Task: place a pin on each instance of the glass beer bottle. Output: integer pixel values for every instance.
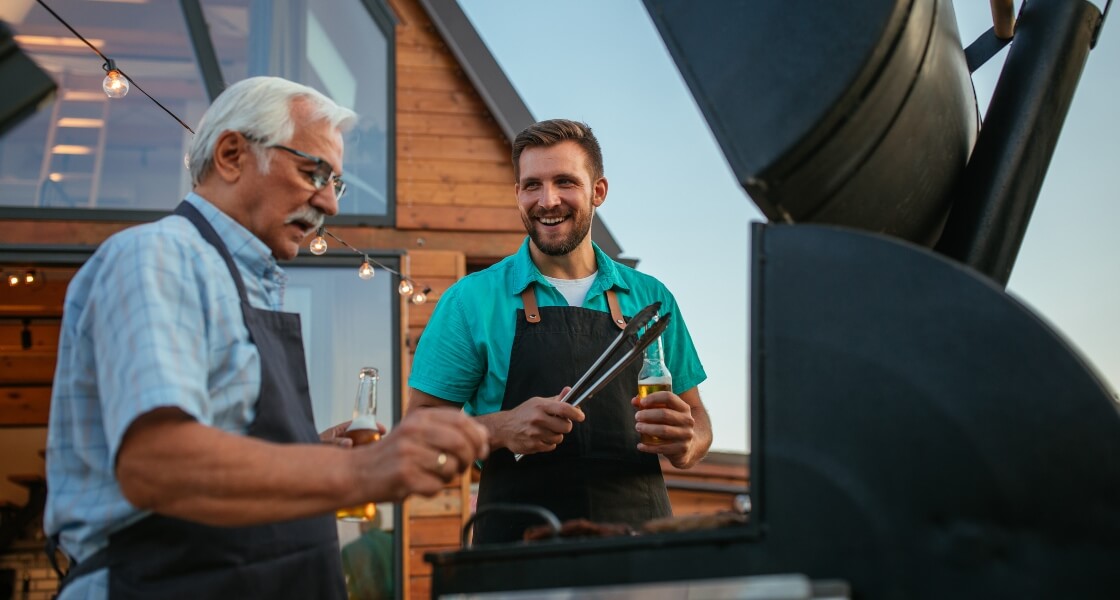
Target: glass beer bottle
(654, 377)
(363, 430)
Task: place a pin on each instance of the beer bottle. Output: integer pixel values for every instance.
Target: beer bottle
(363, 430)
(654, 377)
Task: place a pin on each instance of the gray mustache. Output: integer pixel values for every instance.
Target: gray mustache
(307, 214)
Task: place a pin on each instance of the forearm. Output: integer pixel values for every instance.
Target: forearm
(495, 424)
(173, 465)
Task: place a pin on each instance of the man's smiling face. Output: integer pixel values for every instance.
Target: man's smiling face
(556, 196)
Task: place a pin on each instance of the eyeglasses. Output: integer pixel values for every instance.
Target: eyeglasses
(322, 174)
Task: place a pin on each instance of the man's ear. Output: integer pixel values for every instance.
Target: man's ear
(230, 153)
(599, 192)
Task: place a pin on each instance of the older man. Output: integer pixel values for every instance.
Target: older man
(182, 461)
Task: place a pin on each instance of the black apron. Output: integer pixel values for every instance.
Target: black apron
(168, 558)
(597, 472)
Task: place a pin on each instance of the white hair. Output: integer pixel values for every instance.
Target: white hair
(260, 108)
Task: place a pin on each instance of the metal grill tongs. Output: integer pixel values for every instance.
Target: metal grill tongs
(602, 371)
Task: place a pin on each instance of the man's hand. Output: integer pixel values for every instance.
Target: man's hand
(680, 421)
(536, 425)
(333, 436)
(422, 453)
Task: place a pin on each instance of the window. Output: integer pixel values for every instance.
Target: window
(333, 46)
(347, 323)
(86, 156)
(85, 151)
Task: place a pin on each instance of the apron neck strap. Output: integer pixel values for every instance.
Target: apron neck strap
(616, 311)
(533, 314)
(529, 299)
(186, 209)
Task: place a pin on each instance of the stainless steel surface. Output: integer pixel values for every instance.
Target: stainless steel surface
(765, 587)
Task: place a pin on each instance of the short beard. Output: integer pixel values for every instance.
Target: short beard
(564, 246)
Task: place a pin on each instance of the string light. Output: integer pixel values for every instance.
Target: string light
(318, 245)
(28, 277)
(407, 286)
(365, 271)
(421, 296)
(115, 84)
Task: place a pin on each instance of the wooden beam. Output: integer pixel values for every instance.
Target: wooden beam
(44, 335)
(462, 124)
(445, 147)
(440, 101)
(498, 170)
(460, 218)
(26, 232)
(458, 194)
(432, 78)
(435, 531)
(437, 263)
(444, 503)
(27, 366)
(24, 405)
(41, 299)
(416, 55)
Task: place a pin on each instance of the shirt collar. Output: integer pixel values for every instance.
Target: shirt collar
(247, 250)
(525, 271)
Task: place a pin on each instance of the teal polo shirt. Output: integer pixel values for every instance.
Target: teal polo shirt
(463, 354)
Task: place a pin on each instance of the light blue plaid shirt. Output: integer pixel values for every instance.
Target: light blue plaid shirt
(153, 319)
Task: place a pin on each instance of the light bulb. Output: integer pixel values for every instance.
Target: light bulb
(405, 288)
(419, 298)
(318, 245)
(13, 280)
(365, 271)
(29, 277)
(115, 84)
